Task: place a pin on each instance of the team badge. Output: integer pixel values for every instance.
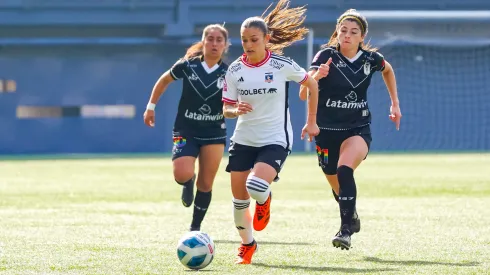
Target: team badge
(221, 82)
(269, 77)
(367, 68)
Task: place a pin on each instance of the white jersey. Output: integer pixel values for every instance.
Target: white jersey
(265, 87)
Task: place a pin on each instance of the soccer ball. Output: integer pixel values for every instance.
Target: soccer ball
(195, 250)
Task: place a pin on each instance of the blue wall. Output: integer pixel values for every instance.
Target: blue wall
(444, 99)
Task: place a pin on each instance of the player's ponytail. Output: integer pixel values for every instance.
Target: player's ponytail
(283, 23)
(197, 48)
(354, 16)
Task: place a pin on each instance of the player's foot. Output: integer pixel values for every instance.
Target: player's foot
(188, 192)
(262, 214)
(342, 238)
(355, 225)
(245, 253)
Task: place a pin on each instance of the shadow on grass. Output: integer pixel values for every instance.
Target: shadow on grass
(326, 268)
(263, 242)
(415, 262)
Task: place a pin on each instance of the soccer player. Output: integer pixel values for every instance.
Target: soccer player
(344, 68)
(199, 128)
(256, 91)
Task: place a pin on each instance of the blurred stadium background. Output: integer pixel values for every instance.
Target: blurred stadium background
(76, 74)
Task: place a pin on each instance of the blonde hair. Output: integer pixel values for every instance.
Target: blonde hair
(354, 16)
(283, 23)
(197, 48)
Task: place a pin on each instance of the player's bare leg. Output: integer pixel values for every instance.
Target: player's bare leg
(184, 175)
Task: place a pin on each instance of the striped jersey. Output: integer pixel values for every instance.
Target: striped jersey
(265, 87)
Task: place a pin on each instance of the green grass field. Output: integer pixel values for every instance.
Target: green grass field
(421, 214)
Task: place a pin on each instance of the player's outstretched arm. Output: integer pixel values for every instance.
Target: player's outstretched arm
(158, 89)
(390, 81)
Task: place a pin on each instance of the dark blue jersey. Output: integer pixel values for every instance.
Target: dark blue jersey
(200, 111)
(343, 100)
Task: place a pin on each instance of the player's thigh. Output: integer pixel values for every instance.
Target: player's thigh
(270, 161)
(353, 151)
(210, 157)
(184, 153)
(328, 150)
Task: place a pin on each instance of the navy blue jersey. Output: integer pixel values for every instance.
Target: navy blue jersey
(342, 102)
(200, 111)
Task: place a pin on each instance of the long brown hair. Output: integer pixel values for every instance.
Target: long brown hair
(354, 16)
(197, 48)
(283, 23)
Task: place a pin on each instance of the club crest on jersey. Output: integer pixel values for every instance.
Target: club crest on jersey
(220, 82)
(269, 77)
(367, 68)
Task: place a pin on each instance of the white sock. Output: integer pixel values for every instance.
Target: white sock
(258, 189)
(243, 220)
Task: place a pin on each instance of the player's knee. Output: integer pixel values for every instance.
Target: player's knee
(183, 169)
(183, 174)
(257, 187)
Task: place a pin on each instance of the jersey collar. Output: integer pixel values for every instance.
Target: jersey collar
(256, 65)
(201, 57)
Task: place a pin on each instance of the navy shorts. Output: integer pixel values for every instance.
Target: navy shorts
(189, 146)
(328, 144)
(243, 158)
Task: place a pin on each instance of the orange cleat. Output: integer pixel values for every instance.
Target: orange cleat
(245, 253)
(262, 214)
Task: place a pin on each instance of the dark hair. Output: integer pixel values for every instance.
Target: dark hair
(284, 24)
(354, 16)
(197, 48)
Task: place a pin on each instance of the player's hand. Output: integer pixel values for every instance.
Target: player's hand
(149, 118)
(395, 116)
(323, 70)
(311, 129)
(243, 108)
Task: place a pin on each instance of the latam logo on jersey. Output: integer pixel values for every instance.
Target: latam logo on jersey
(350, 103)
(261, 91)
(205, 114)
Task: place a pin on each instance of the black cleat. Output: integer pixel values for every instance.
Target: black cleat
(188, 192)
(355, 225)
(342, 238)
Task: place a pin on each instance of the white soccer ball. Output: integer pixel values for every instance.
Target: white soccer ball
(195, 250)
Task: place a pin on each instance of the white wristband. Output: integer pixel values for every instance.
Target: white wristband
(151, 106)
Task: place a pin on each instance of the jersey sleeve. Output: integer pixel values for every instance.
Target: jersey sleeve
(320, 58)
(295, 73)
(230, 93)
(379, 61)
(177, 70)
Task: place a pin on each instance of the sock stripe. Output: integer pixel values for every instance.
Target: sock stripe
(258, 188)
(258, 184)
(241, 204)
(258, 180)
